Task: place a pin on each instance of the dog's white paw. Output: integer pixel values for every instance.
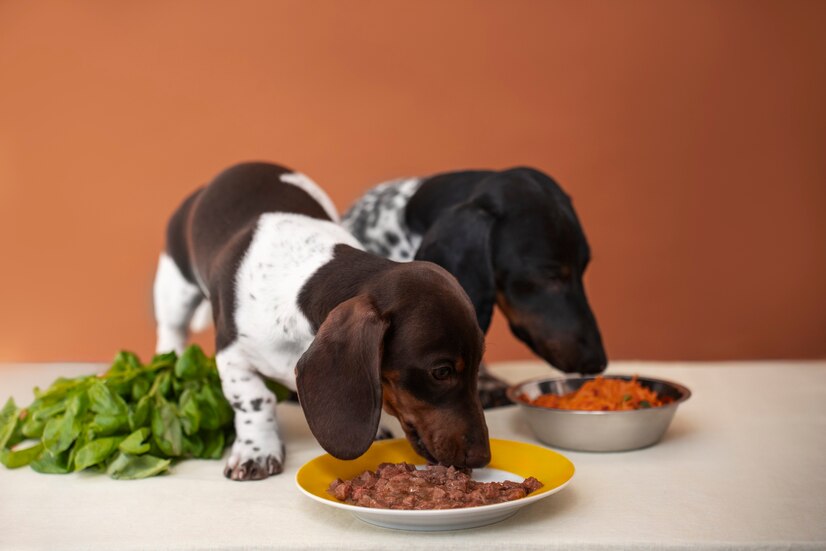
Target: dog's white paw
(252, 460)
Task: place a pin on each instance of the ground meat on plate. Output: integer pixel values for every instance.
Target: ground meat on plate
(402, 486)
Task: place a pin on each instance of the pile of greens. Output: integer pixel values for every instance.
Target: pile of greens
(129, 422)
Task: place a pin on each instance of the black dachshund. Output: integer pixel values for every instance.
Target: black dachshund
(511, 238)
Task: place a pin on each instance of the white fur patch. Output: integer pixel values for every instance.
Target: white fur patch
(304, 182)
(273, 333)
(175, 302)
(286, 250)
(202, 318)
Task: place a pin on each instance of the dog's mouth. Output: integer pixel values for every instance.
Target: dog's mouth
(566, 359)
(418, 445)
(522, 334)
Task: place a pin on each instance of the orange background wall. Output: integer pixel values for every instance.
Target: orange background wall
(692, 136)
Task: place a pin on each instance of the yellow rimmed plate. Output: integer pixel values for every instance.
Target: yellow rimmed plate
(509, 461)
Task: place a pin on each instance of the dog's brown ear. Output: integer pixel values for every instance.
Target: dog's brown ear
(338, 378)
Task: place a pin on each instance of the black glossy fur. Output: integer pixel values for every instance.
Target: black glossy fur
(512, 238)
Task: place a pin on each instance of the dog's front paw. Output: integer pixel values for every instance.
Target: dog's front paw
(250, 462)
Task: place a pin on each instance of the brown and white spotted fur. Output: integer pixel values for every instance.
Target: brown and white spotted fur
(295, 299)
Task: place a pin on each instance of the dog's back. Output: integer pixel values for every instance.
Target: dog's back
(220, 219)
(211, 233)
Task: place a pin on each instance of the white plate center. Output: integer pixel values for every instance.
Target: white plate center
(489, 475)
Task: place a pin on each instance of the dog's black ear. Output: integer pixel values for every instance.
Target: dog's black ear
(459, 241)
(338, 378)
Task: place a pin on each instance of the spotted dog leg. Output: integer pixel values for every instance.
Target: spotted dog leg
(258, 451)
(492, 391)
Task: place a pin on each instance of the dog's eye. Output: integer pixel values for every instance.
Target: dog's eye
(442, 373)
(523, 286)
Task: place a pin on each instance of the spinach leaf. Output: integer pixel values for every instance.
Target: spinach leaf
(96, 451)
(211, 394)
(9, 417)
(281, 392)
(60, 432)
(51, 464)
(133, 444)
(163, 383)
(49, 412)
(105, 425)
(191, 365)
(162, 361)
(140, 416)
(125, 362)
(193, 445)
(33, 428)
(190, 412)
(13, 459)
(210, 417)
(166, 428)
(140, 386)
(213, 444)
(106, 402)
(133, 467)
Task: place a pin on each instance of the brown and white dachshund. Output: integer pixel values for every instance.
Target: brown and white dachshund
(295, 299)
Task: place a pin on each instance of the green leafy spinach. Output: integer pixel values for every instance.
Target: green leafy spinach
(130, 422)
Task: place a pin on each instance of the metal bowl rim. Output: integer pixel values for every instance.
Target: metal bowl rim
(512, 394)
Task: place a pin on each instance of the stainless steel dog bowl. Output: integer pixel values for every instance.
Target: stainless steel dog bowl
(597, 431)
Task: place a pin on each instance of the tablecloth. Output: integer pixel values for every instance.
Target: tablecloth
(741, 467)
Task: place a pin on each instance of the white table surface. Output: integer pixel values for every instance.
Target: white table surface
(743, 465)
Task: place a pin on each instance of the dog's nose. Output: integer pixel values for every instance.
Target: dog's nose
(592, 357)
(476, 444)
(593, 367)
(593, 361)
(478, 456)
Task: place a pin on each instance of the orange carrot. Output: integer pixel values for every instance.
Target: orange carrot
(601, 394)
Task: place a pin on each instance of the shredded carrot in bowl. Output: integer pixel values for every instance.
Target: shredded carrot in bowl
(601, 394)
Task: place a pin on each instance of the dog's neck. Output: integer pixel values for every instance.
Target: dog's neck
(344, 277)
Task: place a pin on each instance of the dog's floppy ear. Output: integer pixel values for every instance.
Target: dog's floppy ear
(338, 378)
(459, 241)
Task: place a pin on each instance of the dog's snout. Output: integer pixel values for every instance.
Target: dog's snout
(477, 445)
(593, 363)
(579, 357)
(477, 456)
(593, 358)
(523, 335)
(572, 351)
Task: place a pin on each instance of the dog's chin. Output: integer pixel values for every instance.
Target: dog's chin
(563, 355)
(573, 367)
(539, 347)
(581, 366)
(548, 354)
(568, 363)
